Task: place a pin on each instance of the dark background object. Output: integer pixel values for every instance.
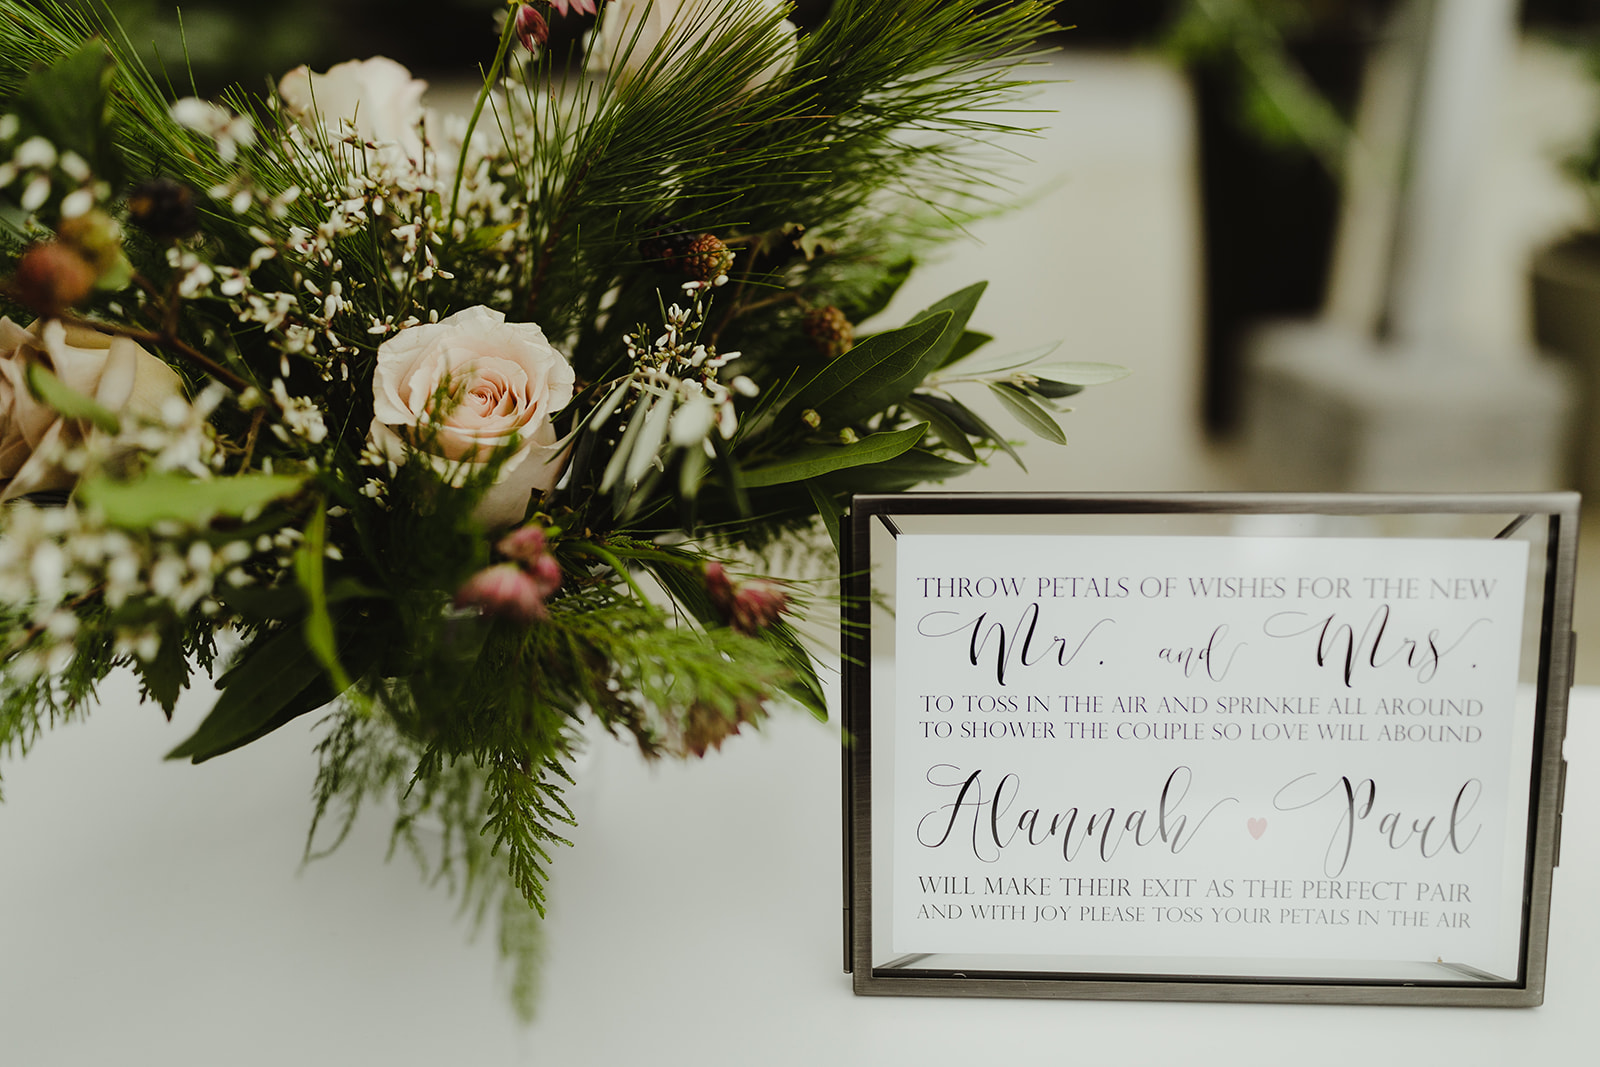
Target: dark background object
(1269, 213)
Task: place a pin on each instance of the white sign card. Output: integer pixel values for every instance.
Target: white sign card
(1300, 758)
(1209, 747)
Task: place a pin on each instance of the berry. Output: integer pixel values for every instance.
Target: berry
(51, 278)
(829, 330)
(164, 209)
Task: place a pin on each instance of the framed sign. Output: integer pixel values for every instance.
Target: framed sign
(1244, 747)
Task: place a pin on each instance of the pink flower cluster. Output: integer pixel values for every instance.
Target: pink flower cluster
(516, 590)
(749, 608)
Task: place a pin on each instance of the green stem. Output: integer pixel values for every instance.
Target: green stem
(611, 560)
(489, 81)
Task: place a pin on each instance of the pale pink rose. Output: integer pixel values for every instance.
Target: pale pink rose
(379, 95)
(500, 383)
(115, 372)
(630, 30)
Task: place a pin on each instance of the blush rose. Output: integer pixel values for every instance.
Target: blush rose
(461, 390)
(119, 375)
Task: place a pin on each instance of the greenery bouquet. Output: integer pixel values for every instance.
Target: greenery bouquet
(454, 429)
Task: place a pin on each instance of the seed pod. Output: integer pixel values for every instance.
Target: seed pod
(52, 278)
(706, 258)
(829, 330)
(164, 209)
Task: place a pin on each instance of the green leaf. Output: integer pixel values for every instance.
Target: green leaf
(263, 603)
(70, 403)
(997, 364)
(630, 436)
(961, 304)
(1028, 412)
(177, 497)
(969, 421)
(308, 571)
(905, 471)
(14, 221)
(876, 374)
(821, 459)
(731, 473)
(828, 511)
(65, 103)
(1050, 390)
(1078, 373)
(691, 472)
(806, 686)
(948, 430)
(166, 674)
(969, 342)
(878, 298)
(274, 680)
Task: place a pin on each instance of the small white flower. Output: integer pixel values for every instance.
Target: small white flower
(74, 166)
(231, 132)
(76, 203)
(59, 658)
(35, 153)
(693, 420)
(37, 192)
(48, 569)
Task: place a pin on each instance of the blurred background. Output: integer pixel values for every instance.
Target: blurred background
(1340, 244)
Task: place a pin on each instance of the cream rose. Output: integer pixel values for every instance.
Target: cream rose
(379, 95)
(630, 30)
(459, 390)
(115, 372)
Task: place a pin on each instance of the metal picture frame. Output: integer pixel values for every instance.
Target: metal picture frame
(874, 533)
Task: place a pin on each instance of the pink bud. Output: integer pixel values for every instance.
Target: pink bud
(750, 608)
(546, 575)
(524, 545)
(567, 7)
(720, 586)
(505, 590)
(532, 30)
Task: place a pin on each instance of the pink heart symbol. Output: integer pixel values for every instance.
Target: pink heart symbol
(1257, 827)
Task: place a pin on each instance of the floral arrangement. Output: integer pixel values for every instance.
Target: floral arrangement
(462, 430)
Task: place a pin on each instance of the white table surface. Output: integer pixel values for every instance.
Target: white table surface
(156, 913)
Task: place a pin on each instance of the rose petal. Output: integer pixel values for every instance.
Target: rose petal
(379, 95)
(116, 372)
(534, 469)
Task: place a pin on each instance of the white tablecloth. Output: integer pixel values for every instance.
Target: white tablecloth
(155, 913)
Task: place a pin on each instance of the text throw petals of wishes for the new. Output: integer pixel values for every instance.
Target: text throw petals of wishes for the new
(1209, 747)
